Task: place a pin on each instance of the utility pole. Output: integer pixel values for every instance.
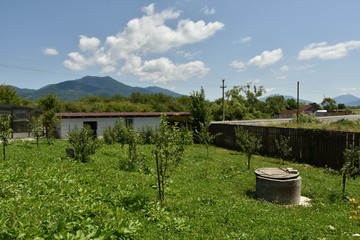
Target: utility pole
(297, 101)
(223, 98)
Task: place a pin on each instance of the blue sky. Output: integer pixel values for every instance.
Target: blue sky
(185, 44)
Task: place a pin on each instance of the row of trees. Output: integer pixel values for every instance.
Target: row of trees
(241, 103)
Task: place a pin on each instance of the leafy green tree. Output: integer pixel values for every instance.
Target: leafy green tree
(8, 95)
(329, 104)
(351, 167)
(50, 105)
(283, 147)
(169, 151)
(37, 128)
(205, 137)
(108, 135)
(200, 110)
(341, 106)
(315, 105)
(5, 132)
(291, 103)
(120, 132)
(276, 104)
(243, 103)
(248, 142)
(83, 142)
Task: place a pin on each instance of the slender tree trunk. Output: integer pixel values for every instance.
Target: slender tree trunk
(343, 185)
(249, 157)
(4, 151)
(159, 178)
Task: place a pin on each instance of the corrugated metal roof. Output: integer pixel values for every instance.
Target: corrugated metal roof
(120, 114)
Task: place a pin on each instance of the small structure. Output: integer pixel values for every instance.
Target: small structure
(309, 109)
(98, 121)
(279, 185)
(20, 119)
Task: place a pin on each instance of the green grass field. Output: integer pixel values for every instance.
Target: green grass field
(45, 195)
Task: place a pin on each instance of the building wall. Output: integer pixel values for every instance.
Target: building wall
(68, 124)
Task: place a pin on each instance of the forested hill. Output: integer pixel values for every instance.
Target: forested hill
(73, 90)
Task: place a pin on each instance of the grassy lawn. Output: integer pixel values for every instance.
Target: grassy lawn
(47, 195)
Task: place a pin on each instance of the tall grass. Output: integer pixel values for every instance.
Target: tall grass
(47, 195)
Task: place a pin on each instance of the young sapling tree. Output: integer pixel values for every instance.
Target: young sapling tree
(351, 167)
(169, 151)
(5, 132)
(283, 147)
(205, 137)
(83, 142)
(248, 142)
(37, 128)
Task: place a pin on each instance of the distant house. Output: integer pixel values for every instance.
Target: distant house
(309, 108)
(98, 121)
(304, 109)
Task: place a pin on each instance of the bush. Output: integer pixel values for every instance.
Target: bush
(306, 118)
(83, 142)
(248, 142)
(109, 137)
(147, 135)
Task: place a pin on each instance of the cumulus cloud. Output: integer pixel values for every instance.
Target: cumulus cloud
(324, 51)
(266, 58)
(140, 38)
(88, 44)
(208, 11)
(245, 39)
(163, 70)
(284, 68)
(50, 51)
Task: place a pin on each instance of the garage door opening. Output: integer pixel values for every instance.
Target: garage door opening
(93, 126)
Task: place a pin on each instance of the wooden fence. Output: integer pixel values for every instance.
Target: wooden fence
(315, 147)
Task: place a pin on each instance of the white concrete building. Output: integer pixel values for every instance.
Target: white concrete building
(98, 121)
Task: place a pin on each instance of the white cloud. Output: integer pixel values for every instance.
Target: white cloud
(50, 51)
(208, 11)
(348, 90)
(163, 70)
(284, 68)
(188, 55)
(141, 37)
(240, 66)
(88, 44)
(282, 77)
(269, 90)
(245, 39)
(324, 51)
(266, 58)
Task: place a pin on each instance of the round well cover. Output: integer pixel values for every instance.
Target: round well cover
(277, 173)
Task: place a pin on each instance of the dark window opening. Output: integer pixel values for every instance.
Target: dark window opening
(129, 122)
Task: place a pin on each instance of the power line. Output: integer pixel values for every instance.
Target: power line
(35, 69)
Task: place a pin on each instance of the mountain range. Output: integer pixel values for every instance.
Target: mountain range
(348, 99)
(73, 90)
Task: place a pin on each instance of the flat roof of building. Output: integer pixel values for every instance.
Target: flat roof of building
(120, 114)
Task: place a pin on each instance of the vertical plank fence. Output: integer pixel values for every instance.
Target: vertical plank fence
(311, 146)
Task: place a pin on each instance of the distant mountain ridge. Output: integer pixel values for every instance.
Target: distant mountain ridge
(348, 100)
(285, 97)
(72, 90)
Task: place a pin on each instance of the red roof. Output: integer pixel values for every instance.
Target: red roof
(120, 114)
(307, 107)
